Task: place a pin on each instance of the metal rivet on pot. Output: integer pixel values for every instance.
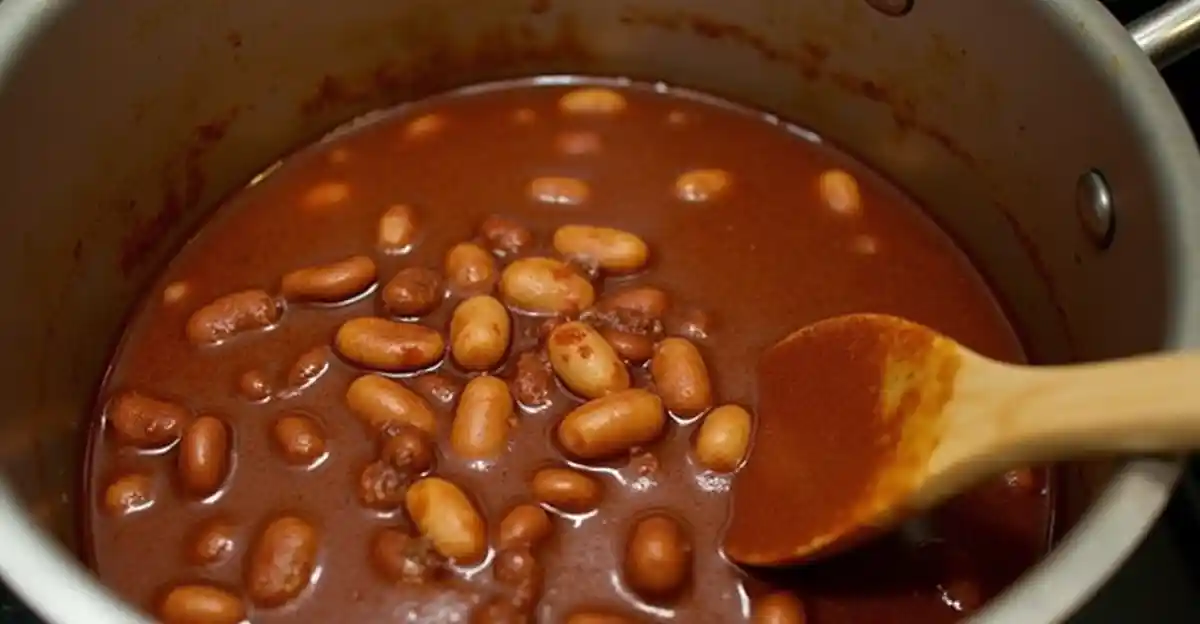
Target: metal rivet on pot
(1094, 206)
(894, 8)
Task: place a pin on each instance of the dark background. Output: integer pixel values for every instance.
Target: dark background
(1160, 584)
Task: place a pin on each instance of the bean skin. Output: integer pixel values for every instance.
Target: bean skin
(380, 344)
(681, 377)
(482, 421)
(480, 332)
(724, 438)
(444, 514)
(546, 286)
(612, 425)
(281, 562)
(378, 401)
(585, 361)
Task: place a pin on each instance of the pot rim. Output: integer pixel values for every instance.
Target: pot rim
(54, 585)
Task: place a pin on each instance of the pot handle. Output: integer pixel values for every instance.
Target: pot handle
(1168, 33)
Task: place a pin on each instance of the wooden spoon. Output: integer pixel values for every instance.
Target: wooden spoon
(864, 420)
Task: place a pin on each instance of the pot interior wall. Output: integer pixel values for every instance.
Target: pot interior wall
(125, 121)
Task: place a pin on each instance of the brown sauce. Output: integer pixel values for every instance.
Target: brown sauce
(284, 504)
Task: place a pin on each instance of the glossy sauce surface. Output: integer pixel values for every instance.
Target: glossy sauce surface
(776, 249)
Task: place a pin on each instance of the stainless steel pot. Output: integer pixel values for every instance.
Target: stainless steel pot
(1036, 131)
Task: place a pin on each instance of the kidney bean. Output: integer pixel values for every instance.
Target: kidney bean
(701, 185)
(386, 345)
(612, 425)
(534, 379)
(281, 561)
(612, 250)
(232, 314)
(407, 448)
(585, 361)
(545, 286)
(482, 421)
(397, 229)
(402, 558)
(325, 195)
(413, 291)
(175, 292)
(505, 236)
(444, 515)
(201, 604)
(592, 101)
(777, 608)
(566, 489)
(517, 568)
(299, 438)
(480, 331)
(308, 367)
(680, 377)
(723, 438)
(382, 486)
(839, 191)
(128, 494)
(527, 525)
(204, 456)
(213, 543)
(144, 422)
(633, 348)
(558, 190)
(379, 401)
(647, 301)
(437, 388)
(254, 386)
(330, 283)
(425, 126)
(658, 557)
(470, 268)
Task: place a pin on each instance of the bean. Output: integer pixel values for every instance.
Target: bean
(381, 486)
(839, 191)
(658, 557)
(647, 301)
(213, 543)
(612, 425)
(482, 421)
(204, 456)
(470, 268)
(128, 494)
(437, 388)
(524, 116)
(144, 422)
(566, 489)
(386, 345)
(407, 449)
(325, 194)
(282, 561)
(517, 568)
(175, 292)
(612, 250)
(1022, 479)
(585, 361)
(330, 283)
(300, 438)
(527, 525)
(633, 348)
(308, 367)
(230, 315)
(592, 101)
(598, 617)
(777, 608)
(414, 291)
(505, 236)
(201, 604)
(534, 380)
(379, 401)
(546, 286)
(680, 377)
(402, 558)
(397, 229)
(578, 143)
(558, 190)
(254, 386)
(689, 323)
(425, 126)
(723, 438)
(480, 331)
(444, 515)
(701, 185)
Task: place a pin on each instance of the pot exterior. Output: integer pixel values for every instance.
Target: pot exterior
(124, 121)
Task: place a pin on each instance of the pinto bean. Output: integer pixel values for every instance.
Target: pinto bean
(379, 401)
(425, 126)
(385, 345)
(534, 380)
(701, 185)
(325, 194)
(592, 101)
(599, 617)
(381, 486)
(232, 314)
(680, 377)
(482, 421)
(612, 425)
(546, 286)
(129, 494)
(647, 301)
(407, 449)
(299, 438)
(470, 268)
(658, 557)
(204, 456)
(633, 348)
(567, 489)
(558, 190)
(839, 191)
(437, 388)
(330, 283)
(402, 558)
(213, 543)
(308, 367)
(413, 291)
(201, 604)
(444, 515)
(480, 332)
(397, 229)
(777, 608)
(281, 562)
(723, 438)
(175, 292)
(518, 569)
(585, 361)
(254, 386)
(612, 250)
(505, 236)
(145, 422)
(524, 524)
